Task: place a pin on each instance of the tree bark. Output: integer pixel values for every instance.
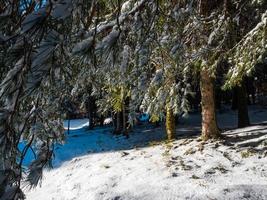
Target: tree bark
(170, 124)
(234, 98)
(91, 121)
(101, 120)
(243, 118)
(124, 121)
(118, 125)
(68, 125)
(209, 125)
(91, 111)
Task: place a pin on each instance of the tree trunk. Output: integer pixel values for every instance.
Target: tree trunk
(101, 120)
(243, 118)
(125, 121)
(118, 123)
(91, 120)
(209, 125)
(170, 124)
(91, 111)
(68, 125)
(234, 98)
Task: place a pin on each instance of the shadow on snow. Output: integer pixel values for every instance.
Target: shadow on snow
(80, 142)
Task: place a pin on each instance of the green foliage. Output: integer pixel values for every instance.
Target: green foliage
(143, 51)
(247, 53)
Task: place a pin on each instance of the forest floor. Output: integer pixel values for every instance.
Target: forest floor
(96, 165)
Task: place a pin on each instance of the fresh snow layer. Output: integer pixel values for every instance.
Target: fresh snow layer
(95, 165)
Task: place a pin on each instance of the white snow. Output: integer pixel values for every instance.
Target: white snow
(108, 121)
(84, 45)
(76, 124)
(95, 165)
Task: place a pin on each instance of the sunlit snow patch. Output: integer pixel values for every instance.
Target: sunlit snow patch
(76, 124)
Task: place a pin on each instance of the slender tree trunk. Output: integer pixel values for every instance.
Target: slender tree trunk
(101, 120)
(68, 124)
(209, 125)
(243, 118)
(91, 111)
(114, 121)
(123, 119)
(91, 120)
(170, 124)
(118, 123)
(234, 98)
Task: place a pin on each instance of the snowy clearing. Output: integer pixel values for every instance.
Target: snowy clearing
(95, 165)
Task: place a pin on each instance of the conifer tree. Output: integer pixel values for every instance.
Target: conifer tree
(130, 53)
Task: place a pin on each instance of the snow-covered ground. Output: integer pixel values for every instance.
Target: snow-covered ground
(95, 165)
(76, 124)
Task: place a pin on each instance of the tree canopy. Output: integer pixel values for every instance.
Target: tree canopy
(141, 51)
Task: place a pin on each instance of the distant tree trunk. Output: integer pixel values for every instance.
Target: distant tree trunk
(170, 124)
(125, 120)
(234, 98)
(68, 124)
(101, 120)
(250, 90)
(91, 120)
(243, 118)
(91, 110)
(114, 121)
(90, 114)
(118, 123)
(218, 97)
(209, 125)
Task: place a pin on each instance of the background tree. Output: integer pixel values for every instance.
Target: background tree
(126, 54)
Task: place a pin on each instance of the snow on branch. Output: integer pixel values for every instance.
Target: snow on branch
(122, 17)
(247, 53)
